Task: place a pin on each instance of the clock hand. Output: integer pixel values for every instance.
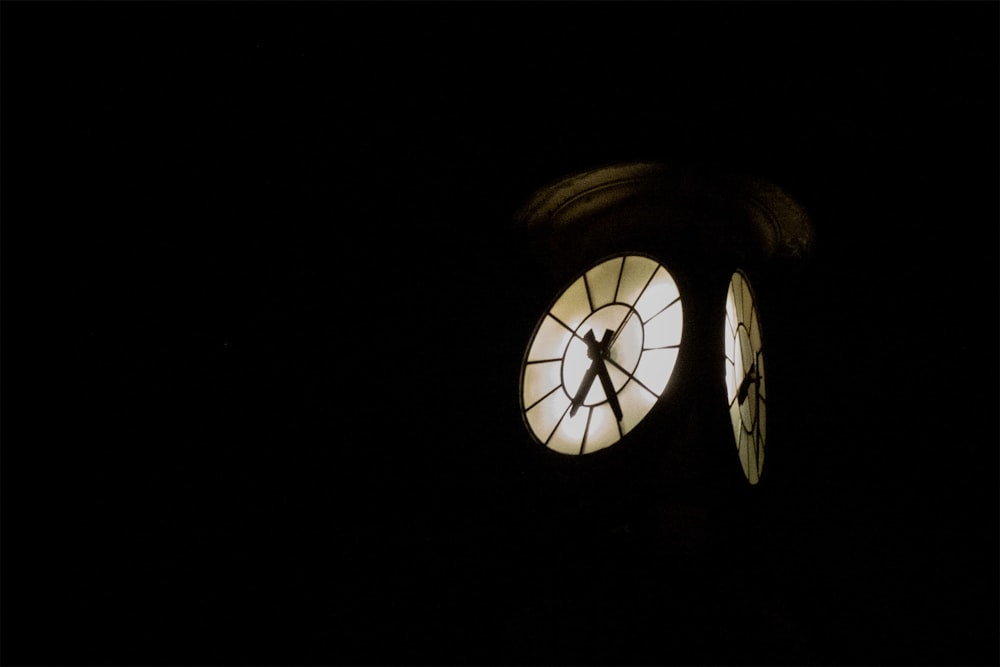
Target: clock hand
(597, 351)
(603, 352)
(751, 378)
(621, 327)
(609, 390)
(581, 393)
(593, 351)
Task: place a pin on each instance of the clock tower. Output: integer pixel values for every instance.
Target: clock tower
(642, 386)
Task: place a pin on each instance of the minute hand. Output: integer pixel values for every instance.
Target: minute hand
(609, 389)
(621, 327)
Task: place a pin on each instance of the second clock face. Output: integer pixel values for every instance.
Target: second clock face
(745, 376)
(602, 355)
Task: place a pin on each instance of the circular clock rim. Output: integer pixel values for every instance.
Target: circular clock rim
(740, 324)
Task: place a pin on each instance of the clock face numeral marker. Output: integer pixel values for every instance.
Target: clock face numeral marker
(745, 384)
(602, 355)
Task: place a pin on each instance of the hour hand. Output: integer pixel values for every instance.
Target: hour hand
(588, 380)
(750, 378)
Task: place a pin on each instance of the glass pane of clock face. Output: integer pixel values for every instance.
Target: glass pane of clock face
(745, 376)
(602, 355)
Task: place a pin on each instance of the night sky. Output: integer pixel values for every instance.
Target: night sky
(264, 307)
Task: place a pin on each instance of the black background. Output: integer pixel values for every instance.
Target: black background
(257, 299)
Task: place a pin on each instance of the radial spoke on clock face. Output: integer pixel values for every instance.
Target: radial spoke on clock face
(573, 306)
(591, 428)
(744, 451)
(751, 457)
(603, 281)
(746, 297)
(758, 448)
(753, 464)
(757, 455)
(762, 423)
(731, 317)
(636, 275)
(664, 329)
(632, 377)
(540, 381)
(731, 381)
(545, 416)
(736, 420)
(752, 460)
(746, 416)
(739, 288)
(665, 307)
(550, 340)
(746, 351)
(600, 431)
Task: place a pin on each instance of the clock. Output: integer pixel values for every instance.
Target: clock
(602, 354)
(745, 384)
(638, 367)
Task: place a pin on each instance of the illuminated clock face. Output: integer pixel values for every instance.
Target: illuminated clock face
(745, 376)
(602, 355)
